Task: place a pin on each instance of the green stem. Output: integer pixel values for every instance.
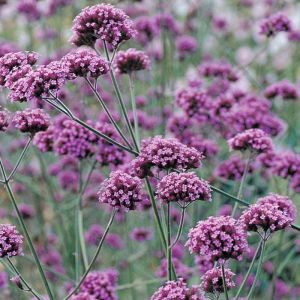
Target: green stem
(29, 288)
(120, 99)
(224, 282)
(110, 117)
(94, 258)
(169, 249)
(134, 110)
(24, 228)
(263, 245)
(215, 189)
(10, 176)
(240, 192)
(180, 227)
(248, 272)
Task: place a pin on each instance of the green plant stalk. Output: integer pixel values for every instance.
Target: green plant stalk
(120, 98)
(224, 282)
(134, 110)
(263, 245)
(248, 272)
(29, 288)
(110, 117)
(240, 191)
(94, 257)
(179, 228)
(24, 228)
(169, 249)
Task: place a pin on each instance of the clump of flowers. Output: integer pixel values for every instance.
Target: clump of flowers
(195, 104)
(186, 45)
(101, 284)
(284, 89)
(165, 154)
(84, 63)
(275, 24)
(178, 290)
(183, 188)
(11, 242)
(40, 82)
(104, 22)
(121, 190)
(255, 140)
(220, 238)
(43, 140)
(273, 212)
(212, 281)
(13, 62)
(4, 119)
(131, 60)
(31, 120)
(74, 140)
(141, 234)
(219, 69)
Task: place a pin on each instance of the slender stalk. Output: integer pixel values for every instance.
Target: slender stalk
(134, 110)
(215, 189)
(137, 283)
(180, 227)
(24, 228)
(240, 192)
(169, 250)
(10, 176)
(224, 282)
(94, 258)
(248, 272)
(120, 98)
(29, 288)
(110, 117)
(258, 266)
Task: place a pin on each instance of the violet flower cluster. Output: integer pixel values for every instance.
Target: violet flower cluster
(11, 242)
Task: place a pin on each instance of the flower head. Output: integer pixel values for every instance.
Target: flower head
(273, 212)
(212, 281)
(11, 241)
(4, 119)
(183, 188)
(43, 140)
(255, 140)
(83, 63)
(284, 89)
(31, 120)
(178, 290)
(220, 238)
(186, 45)
(101, 284)
(165, 154)
(141, 234)
(104, 22)
(274, 24)
(131, 60)
(121, 190)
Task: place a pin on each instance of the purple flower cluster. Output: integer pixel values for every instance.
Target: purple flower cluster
(274, 24)
(4, 119)
(74, 140)
(185, 45)
(15, 65)
(232, 168)
(94, 234)
(219, 69)
(100, 285)
(255, 140)
(284, 89)
(11, 241)
(141, 234)
(107, 153)
(212, 281)
(183, 188)
(40, 82)
(31, 120)
(43, 140)
(84, 63)
(104, 22)
(273, 212)
(131, 60)
(30, 9)
(165, 154)
(121, 190)
(146, 29)
(195, 104)
(178, 290)
(219, 238)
